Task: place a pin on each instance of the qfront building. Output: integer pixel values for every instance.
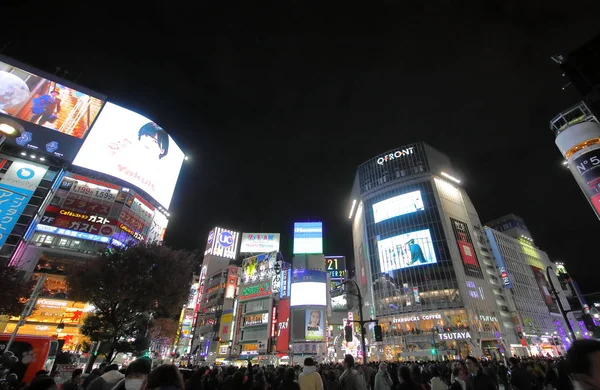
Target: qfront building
(419, 260)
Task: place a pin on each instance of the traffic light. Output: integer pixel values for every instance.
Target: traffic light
(348, 333)
(377, 333)
(433, 351)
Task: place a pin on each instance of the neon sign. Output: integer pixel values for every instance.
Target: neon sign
(397, 154)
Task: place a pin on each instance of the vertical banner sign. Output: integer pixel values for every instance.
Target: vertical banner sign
(542, 283)
(16, 188)
(466, 249)
(283, 326)
(232, 279)
(586, 170)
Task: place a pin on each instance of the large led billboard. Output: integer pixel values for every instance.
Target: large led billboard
(398, 205)
(54, 117)
(309, 288)
(315, 325)
(406, 250)
(259, 242)
(308, 237)
(129, 146)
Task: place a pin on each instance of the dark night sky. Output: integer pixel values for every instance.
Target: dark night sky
(277, 105)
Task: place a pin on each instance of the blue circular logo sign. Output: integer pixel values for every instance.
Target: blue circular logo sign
(226, 239)
(211, 236)
(25, 173)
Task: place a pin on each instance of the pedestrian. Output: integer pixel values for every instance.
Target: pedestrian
(108, 380)
(135, 374)
(310, 379)
(74, 382)
(289, 380)
(477, 379)
(436, 381)
(382, 378)
(583, 363)
(406, 380)
(164, 377)
(350, 379)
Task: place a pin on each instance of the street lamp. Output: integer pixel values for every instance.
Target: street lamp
(9, 128)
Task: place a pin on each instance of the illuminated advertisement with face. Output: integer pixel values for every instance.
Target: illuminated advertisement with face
(406, 250)
(544, 287)
(398, 205)
(467, 251)
(308, 237)
(222, 242)
(54, 118)
(259, 242)
(315, 325)
(128, 146)
(309, 288)
(16, 188)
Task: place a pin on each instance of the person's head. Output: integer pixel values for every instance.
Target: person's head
(139, 368)
(472, 364)
(348, 361)
(281, 371)
(435, 372)
(583, 362)
(238, 378)
(54, 93)
(290, 374)
(111, 367)
(309, 362)
(405, 374)
(154, 138)
(513, 361)
(165, 375)
(382, 366)
(76, 374)
(315, 317)
(42, 382)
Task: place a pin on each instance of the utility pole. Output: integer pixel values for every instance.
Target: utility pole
(560, 306)
(361, 322)
(27, 309)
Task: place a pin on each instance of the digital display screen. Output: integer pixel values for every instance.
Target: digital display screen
(398, 205)
(309, 294)
(55, 118)
(128, 146)
(308, 237)
(406, 250)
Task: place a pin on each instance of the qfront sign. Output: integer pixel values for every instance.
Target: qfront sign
(394, 155)
(454, 336)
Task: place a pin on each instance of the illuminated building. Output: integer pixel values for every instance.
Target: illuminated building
(422, 259)
(523, 265)
(577, 134)
(216, 293)
(87, 181)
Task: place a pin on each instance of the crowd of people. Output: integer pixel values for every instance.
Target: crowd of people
(579, 370)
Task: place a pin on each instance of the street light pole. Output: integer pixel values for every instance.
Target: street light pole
(361, 322)
(560, 306)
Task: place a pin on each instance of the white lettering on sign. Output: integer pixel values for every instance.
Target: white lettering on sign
(417, 318)
(397, 154)
(454, 336)
(488, 318)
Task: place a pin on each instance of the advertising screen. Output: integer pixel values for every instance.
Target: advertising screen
(55, 118)
(542, 283)
(128, 146)
(467, 251)
(259, 242)
(308, 237)
(258, 268)
(16, 188)
(406, 250)
(336, 266)
(398, 205)
(309, 288)
(315, 325)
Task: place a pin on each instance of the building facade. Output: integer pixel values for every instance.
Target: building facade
(537, 320)
(419, 261)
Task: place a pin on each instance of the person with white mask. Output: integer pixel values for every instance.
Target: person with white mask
(135, 375)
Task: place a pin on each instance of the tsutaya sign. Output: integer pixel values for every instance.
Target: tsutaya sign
(454, 336)
(397, 154)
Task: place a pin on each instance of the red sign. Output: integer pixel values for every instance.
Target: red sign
(79, 223)
(283, 326)
(232, 278)
(467, 253)
(273, 321)
(85, 206)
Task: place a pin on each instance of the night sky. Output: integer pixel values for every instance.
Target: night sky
(277, 105)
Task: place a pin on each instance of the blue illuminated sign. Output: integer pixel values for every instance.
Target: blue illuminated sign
(226, 239)
(72, 233)
(308, 237)
(499, 260)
